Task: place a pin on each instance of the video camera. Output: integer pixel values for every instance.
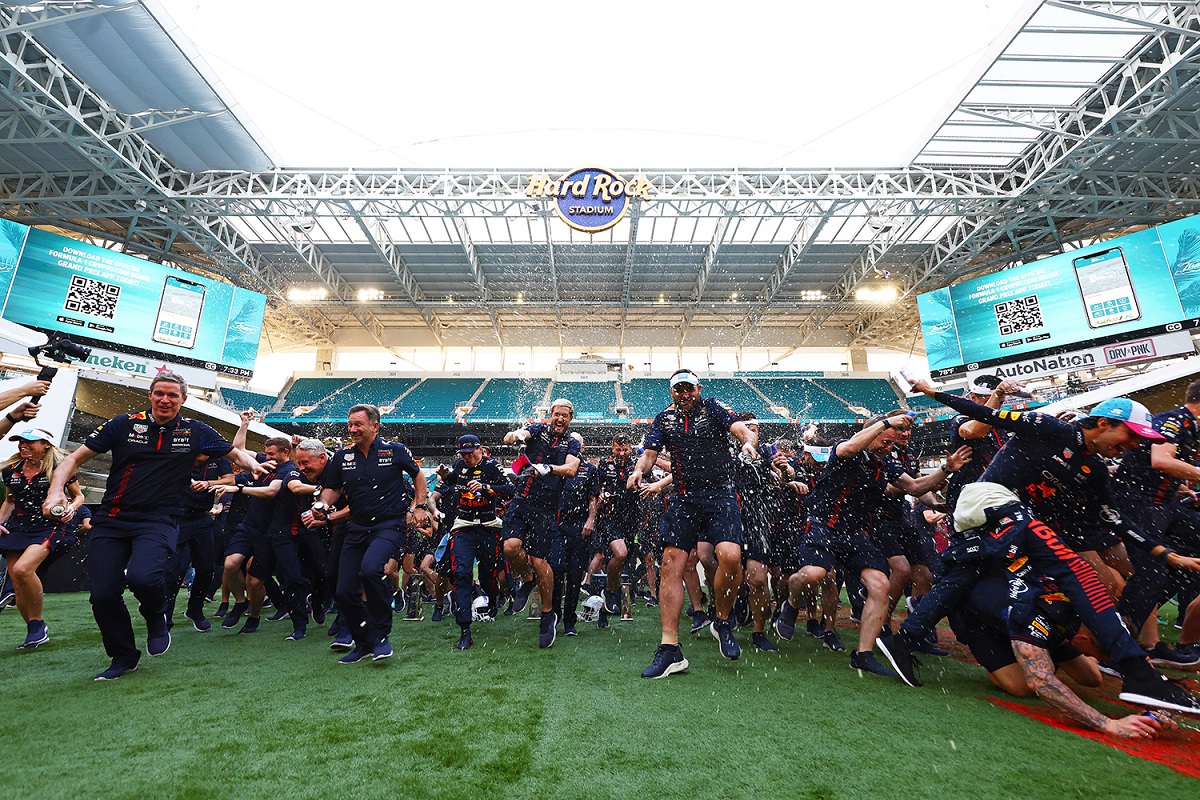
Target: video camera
(57, 348)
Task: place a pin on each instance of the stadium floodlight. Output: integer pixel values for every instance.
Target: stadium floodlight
(368, 295)
(303, 224)
(298, 295)
(877, 293)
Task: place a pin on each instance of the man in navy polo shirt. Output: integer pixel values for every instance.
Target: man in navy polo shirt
(370, 473)
(618, 515)
(530, 521)
(135, 530)
(695, 430)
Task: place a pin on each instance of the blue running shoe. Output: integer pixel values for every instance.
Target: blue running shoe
(355, 655)
(158, 637)
(722, 631)
(549, 630)
(762, 643)
(382, 650)
(612, 602)
(343, 641)
(521, 596)
(115, 671)
(785, 626)
(37, 634)
(864, 661)
(668, 660)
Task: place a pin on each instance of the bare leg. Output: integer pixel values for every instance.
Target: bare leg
(728, 577)
(670, 592)
(545, 580)
(760, 595)
(26, 583)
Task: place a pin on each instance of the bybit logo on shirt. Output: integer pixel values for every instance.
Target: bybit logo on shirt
(591, 199)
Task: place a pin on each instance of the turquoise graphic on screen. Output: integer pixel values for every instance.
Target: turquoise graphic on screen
(91, 293)
(1133, 285)
(12, 241)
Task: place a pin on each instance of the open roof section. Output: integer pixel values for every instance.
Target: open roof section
(724, 257)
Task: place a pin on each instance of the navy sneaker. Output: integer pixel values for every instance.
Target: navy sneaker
(115, 671)
(278, 615)
(929, 646)
(864, 661)
(1192, 649)
(899, 653)
(762, 643)
(251, 625)
(612, 602)
(343, 641)
(833, 642)
(222, 610)
(700, 620)
(1163, 655)
(437, 614)
(549, 629)
(785, 626)
(1158, 691)
(234, 615)
(318, 610)
(355, 655)
(8, 600)
(199, 622)
(569, 629)
(521, 597)
(602, 619)
(464, 641)
(298, 633)
(1109, 668)
(37, 634)
(722, 631)
(382, 650)
(158, 637)
(816, 629)
(668, 659)
(508, 612)
(652, 602)
(398, 601)
(335, 627)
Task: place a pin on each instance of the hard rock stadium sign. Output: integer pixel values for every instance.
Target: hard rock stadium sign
(590, 200)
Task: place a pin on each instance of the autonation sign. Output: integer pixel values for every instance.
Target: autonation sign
(590, 200)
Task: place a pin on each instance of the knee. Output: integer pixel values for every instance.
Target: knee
(21, 571)
(875, 582)
(619, 551)
(900, 569)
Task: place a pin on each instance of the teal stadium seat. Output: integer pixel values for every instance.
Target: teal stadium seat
(803, 399)
(592, 401)
(310, 391)
(875, 394)
(509, 399)
(376, 391)
(240, 399)
(434, 400)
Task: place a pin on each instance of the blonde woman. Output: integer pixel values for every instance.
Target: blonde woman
(25, 533)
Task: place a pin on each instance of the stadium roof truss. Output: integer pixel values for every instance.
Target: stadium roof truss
(1084, 122)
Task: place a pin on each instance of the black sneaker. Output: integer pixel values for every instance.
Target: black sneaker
(158, 637)
(699, 621)
(1109, 668)
(785, 626)
(297, 634)
(1158, 691)
(1163, 655)
(251, 625)
(612, 602)
(816, 629)
(382, 650)
(278, 615)
(235, 614)
(762, 643)
(521, 597)
(508, 612)
(222, 610)
(833, 642)
(318, 610)
(199, 622)
(602, 618)
(742, 615)
(899, 653)
(865, 662)
(357, 654)
(8, 600)
(668, 659)
(398, 601)
(343, 641)
(569, 629)
(464, 641)
(549, 629)
(722, 631)
(1192, 649)
(652, 602)
(437, 614)
(115, 671)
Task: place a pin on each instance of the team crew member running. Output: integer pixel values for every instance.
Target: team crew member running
(695, 430)
(370, 473)
(134, 532)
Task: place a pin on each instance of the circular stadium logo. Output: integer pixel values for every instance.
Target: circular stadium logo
(590, 200)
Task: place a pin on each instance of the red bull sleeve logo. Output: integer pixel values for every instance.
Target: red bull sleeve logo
(589, 200)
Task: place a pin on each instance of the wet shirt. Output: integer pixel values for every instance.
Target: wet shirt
(545, 447)
(374, 484)
(983, 450)
(27, 496)
(577, 494)
(476, 508)
(849, 490)
(257, 514)
(699, 445)
(620, 502)
(1047, 464)
(1144, 485)
(895, 509)
(197, 504)
(284, 518)
(151, 462)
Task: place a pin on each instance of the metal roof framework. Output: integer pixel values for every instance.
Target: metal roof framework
(1082, 125)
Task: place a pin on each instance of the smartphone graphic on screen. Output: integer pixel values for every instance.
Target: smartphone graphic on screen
(179, 312)
(1106, 287)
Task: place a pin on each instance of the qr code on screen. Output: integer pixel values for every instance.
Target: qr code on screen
(94, 298)
(1018, 315)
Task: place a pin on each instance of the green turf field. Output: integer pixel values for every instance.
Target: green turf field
(223, 715)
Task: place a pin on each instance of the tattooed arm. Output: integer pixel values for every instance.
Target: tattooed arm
(1039, 673)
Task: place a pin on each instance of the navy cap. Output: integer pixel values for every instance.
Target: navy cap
(468, 443)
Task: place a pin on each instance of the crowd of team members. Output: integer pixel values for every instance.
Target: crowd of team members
(753, 534)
